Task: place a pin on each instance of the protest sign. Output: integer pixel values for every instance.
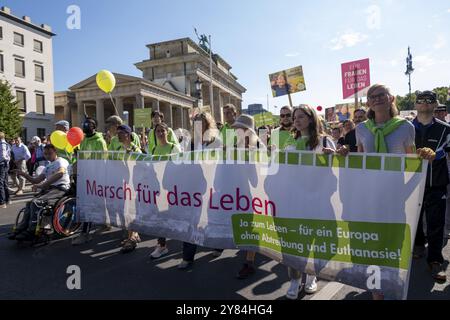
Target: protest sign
(264, 118)
(355, 78)
(287, 81)
(335, 217)
(142, 118)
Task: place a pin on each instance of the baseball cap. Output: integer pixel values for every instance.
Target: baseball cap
(124, 128)
(64, 124)
(441, 107)
(426, 94)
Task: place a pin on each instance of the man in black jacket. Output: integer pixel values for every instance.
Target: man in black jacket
(431, 133)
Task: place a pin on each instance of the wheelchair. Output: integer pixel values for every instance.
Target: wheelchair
(53, 221)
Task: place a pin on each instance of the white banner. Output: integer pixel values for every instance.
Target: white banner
(349, 219)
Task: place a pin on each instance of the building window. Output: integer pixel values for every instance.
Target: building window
(2, 66)
(23, 135)
(20, 68)
(22, 100)
(38, 46)
(40, 132)
(1, 32)
(18, 39)
(39, 72)
(40, 104)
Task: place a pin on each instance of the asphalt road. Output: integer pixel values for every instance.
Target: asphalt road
(41, 272)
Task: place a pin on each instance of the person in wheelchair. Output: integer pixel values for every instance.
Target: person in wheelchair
(54, 183)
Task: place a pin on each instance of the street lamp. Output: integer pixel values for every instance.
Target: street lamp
(198, 88)
(198, 92)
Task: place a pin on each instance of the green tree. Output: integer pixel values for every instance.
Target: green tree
(441, 93)
(405, 103)
(10, 119)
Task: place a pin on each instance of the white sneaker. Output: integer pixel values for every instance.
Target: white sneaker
(310, 284)
(19, 193)
(159, 252)
(293, 290)
(3, 206)
(81, 239)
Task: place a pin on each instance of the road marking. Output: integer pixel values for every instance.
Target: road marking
(328, 291)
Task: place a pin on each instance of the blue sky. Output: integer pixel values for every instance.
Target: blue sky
(257, 37)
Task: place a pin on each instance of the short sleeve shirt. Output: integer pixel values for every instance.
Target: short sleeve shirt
(396, 142)
(55, 167)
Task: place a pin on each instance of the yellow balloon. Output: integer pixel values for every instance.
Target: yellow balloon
(59, 139)
(106, 81)
(69, 148)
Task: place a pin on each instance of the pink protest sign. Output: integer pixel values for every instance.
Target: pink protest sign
(355, 77)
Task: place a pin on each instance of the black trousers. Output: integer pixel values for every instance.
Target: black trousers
(434, 207)
(4, 194)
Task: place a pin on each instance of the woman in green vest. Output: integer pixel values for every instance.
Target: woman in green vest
(163, 147)
(308, 136)
(124, 134)
(158, 118)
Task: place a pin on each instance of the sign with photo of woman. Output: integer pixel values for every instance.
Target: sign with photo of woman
(287, 81)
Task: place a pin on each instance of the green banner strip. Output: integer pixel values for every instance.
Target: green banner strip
(381, 244)
(372, 162)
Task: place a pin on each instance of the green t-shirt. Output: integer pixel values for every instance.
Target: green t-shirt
(133, 148)
(280, 138)
(168, 149)
(152, 141)
(223, 135)
(115, 144)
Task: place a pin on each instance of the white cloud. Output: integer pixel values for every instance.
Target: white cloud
(441, 42)
(292, 54)
(394, 62)
(373, 21)
(423, 62)
(448, 10)
(348, 39)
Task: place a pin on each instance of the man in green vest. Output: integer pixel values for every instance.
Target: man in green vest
(112, 123)
(281, 134)
(93, 141)
(229, 116)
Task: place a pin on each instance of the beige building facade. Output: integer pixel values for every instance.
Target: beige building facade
(168, 84)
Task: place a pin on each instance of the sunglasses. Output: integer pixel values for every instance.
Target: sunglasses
(426, 101)
(287, 115)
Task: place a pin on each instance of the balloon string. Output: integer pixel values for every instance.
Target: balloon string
(114, 105)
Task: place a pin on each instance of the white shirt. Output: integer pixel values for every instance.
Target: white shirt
(21, 152)
(5, 151)
(54, 167)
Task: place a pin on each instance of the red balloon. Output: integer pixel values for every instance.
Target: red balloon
(75, 136)
(319, 108)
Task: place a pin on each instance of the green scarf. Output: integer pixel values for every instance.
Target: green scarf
(382, 132)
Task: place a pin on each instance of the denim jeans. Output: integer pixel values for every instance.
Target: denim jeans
(4, 194)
